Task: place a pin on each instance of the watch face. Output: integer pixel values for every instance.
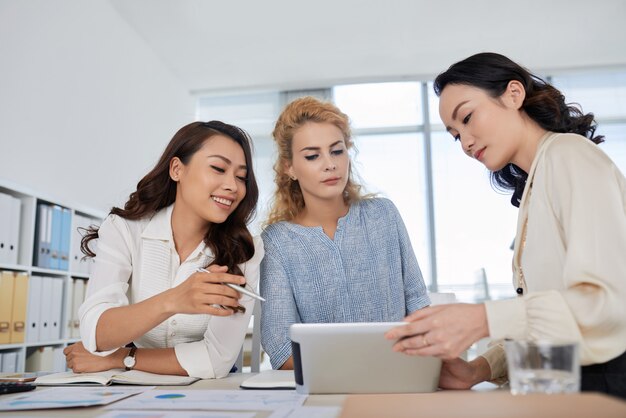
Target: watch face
(129, 361)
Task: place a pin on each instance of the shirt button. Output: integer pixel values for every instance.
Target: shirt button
(173, 334)
(173, 322)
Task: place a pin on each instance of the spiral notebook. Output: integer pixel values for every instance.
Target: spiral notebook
(270, 379)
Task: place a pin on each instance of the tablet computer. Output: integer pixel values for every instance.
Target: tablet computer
(356, 358)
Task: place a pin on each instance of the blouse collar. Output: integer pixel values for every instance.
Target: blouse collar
(160, 228)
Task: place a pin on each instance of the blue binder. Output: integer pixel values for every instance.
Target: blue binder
(42, 241)
(64, 249)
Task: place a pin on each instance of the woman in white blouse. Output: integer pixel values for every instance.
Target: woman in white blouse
(189, 212)
(570, 249)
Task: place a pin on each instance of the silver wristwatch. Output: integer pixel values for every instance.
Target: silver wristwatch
(129, 360)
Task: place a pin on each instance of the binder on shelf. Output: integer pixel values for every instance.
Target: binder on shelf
(78, 295)
(42, 239)
(34, 308)
(40, 359)
(6, 305)
(55, 245)
(18, 315)
(5, 226)
(45, 327)
(48, 237)
(9, 362)
(57, 309)
(21, 358)
(14, 232)
(64, 248)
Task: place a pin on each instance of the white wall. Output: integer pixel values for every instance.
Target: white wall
(292, 44)
(85, 106)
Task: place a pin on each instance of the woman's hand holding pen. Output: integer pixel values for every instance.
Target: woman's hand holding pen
(202, 292)
(443, 331)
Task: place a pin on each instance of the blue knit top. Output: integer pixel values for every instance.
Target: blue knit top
(367, 273)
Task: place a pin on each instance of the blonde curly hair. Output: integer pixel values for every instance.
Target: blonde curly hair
(288, 199)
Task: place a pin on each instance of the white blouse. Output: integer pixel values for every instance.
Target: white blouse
(574, 259)
(137, 260)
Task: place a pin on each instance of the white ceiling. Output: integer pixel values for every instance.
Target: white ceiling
(227, 45)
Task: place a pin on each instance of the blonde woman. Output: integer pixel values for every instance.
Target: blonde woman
(331, 255)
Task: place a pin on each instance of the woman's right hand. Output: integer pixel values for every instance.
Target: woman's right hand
(203, 293)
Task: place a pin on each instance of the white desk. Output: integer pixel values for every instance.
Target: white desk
(231, 382)
(483, 402)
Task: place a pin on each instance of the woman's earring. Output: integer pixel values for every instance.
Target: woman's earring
(293, 178)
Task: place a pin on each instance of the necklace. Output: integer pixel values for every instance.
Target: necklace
(517, 261)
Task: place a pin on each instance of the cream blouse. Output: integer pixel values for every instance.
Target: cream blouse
(137, 260)
(574, 258)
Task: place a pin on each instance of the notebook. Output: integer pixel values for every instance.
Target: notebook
(270, 379)
(117, 376)
(356, 358)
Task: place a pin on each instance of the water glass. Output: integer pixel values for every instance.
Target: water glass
(542, 367)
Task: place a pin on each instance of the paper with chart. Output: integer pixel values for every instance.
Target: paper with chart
(307, 412)
(223, 400)
(66, 397)
(315, 412)
(177, 414)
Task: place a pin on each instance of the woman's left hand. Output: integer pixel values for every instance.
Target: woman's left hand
(82, 361)
(443, 331)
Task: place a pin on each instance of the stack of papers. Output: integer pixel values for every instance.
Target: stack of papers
(65, 398)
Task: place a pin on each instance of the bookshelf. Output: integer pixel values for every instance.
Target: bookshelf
(57, 306)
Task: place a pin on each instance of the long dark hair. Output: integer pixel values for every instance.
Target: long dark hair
(230, 241)
(543, 103)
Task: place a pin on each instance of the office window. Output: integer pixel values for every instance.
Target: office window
(380, 105)
(474, 224)
(391, 165)
(433, 107)
(256, 113)
(601, 92)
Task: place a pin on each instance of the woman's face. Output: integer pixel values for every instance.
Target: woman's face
(213, 182)
(489, 129)
(320, 161)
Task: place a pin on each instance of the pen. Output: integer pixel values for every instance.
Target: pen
(237, 288)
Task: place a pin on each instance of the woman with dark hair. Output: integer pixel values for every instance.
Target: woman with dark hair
(569, 258)
(189, 213)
